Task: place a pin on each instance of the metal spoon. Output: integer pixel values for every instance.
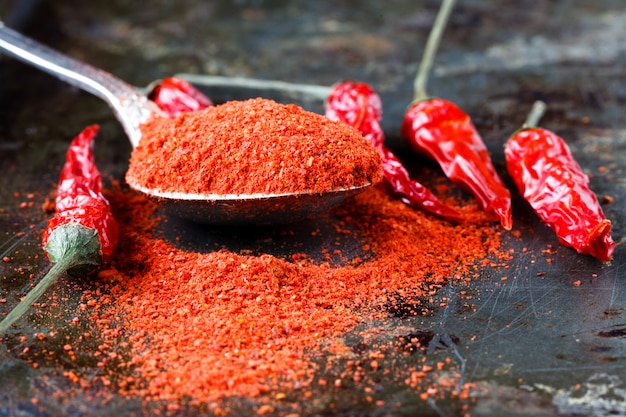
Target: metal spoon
(132, 108)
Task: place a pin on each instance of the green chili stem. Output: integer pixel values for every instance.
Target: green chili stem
(310, 90)
(537, 111)
(432, 44)
(71, 248)
(33, 295)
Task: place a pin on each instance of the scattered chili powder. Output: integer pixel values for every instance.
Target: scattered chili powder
(608, 199)
(206, 326)
(251, 146)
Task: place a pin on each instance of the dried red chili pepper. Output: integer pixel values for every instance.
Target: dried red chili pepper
(547, 175)
(175, 96)
(79, 198)
(83, 233)
(358, 105)
(444, 132)
(440, 129)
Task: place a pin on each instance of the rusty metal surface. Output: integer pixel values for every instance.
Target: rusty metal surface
(533, 344)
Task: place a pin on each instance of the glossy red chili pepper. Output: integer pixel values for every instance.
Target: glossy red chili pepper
(83, 233)
(441, 130)
(358, 105)
(175, 96)
(79, 198)
(549, 178)
(79, 180)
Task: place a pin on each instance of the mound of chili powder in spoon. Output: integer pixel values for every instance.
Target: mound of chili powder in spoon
(252, 146)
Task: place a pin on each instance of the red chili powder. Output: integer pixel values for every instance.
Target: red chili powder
(204, 326)
(251, 146)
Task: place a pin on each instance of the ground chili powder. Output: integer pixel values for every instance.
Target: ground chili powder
(251, 146)
(196, 328)
(200, 327)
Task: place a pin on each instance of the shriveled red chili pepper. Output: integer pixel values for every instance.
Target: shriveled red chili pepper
(553, 183)
(79, 198)
(358, 105)
(175, 96)
(440, 129)
(83, 233)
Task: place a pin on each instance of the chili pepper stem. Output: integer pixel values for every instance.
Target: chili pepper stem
(432, 44)
(310, 90)
(81, 252)
(536, 113)
(50, 278)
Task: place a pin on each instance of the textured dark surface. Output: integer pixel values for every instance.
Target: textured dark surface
(534, 343)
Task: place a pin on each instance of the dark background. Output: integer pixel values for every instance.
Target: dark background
(534, 344)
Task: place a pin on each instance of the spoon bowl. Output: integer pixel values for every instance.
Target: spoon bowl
(249, 209)
(132, 108)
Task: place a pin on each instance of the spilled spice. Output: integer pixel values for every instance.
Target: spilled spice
(251, 146)
(200, 327)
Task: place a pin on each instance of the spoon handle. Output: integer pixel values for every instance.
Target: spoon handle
(131, 107)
